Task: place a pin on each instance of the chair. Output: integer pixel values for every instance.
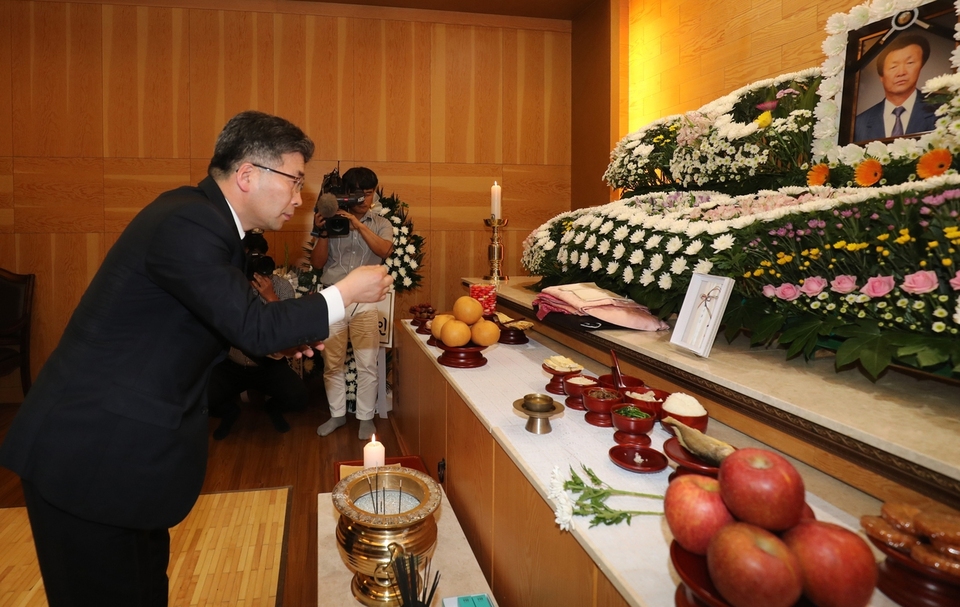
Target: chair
(16, 304)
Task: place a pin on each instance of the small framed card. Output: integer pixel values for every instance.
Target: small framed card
(701, 313)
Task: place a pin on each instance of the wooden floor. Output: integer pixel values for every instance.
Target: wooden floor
(256, 456)
(228, 551)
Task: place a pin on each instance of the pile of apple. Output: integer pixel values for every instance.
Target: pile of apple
(762, 542)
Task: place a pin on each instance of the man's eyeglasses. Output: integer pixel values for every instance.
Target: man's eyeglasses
(297, 181)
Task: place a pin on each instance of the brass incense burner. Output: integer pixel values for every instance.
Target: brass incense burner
(379, 507)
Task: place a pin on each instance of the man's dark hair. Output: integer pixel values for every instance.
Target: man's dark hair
(360, 178)
(259, 138)
(903, 42)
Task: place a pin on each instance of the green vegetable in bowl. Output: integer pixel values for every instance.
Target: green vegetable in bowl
(631, 411)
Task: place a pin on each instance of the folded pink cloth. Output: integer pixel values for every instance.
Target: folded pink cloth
(587, 298)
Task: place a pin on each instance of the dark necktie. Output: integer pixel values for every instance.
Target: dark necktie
(897, 124)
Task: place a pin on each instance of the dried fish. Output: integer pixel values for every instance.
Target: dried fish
(705, 447)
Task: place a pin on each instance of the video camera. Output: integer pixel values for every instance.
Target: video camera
(258, 263)
(334, 195)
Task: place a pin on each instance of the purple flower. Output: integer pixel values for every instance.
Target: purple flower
(846, 214)
(787, 91)
(924, 210)
(874, 217)
(888, 204)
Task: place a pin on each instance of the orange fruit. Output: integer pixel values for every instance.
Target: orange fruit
(467, 309)
(438, 321)
(455, 333)
(485, 333)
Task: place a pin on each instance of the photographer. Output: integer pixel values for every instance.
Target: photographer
(368, 242)
(270, 375)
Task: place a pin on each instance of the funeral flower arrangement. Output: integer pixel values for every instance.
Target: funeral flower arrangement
(851, 248)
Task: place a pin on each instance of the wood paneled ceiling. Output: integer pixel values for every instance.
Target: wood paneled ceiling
(546, 9)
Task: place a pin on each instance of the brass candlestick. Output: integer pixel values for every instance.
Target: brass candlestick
(495, 248)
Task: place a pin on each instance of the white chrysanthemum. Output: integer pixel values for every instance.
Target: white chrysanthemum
(722, 243)
(637, 236)
(579, 238)
(549, 245)
(829, 87)
(858, 16)
(619, 250)
(621, 233)
(591, 241)
(693, 248)
(413, 264)
(878, 150)
(653, 241)
(612, 268)
(834, 44)
(410, 249)
(402, 271)
(564, 511)
(407, 281)
(665, 281)
(852, 154)
(679, 265)
(606, 227)
(584, 261)
(596, 264)
(628, 276)
(837, 24)
(636, 257)
(556, 483)
(404, 230)
(674, 245)
(574, 257)
(604, 247)
(656, 262)
(647, 277)
(703, 266)
(407, 259)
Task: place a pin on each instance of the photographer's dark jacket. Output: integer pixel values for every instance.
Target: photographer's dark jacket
(115, 428)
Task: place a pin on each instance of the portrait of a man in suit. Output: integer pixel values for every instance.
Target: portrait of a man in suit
(903, 109)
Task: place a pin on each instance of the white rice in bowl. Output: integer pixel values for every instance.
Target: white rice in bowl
(679, 403)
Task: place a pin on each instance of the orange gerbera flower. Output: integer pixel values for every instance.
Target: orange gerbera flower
(933, 163)
(868, 173)
(818, 174)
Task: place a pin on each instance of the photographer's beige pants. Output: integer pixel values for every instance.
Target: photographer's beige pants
(361, 330)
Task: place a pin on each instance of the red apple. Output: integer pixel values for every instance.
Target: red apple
(762, 488)
(838, 566)
(807, 513)
(694, 511)
(751, 566)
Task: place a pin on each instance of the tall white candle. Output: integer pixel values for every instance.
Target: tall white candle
(495, 200)
(373, 453)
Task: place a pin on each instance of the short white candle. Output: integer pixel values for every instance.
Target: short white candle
(495, 201)
(373, 453)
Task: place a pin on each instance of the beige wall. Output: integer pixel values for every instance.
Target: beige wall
(685, 54)
(103, 106)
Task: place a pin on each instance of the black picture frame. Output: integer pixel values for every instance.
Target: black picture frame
(861, 83)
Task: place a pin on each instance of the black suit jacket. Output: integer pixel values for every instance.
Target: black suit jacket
(115, 428)
(869, 123)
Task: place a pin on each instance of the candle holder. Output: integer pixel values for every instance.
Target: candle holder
(495, 248)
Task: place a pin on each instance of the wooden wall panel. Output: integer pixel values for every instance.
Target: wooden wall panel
(6, 199)
(6, 96)
(329, 75)
(683, 55)
(530, 194)
(58, 195)
(460, 195)
(145, 82)
(129, 184)
(56, 79)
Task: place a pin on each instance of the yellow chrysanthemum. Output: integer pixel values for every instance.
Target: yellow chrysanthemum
(868, 173)
(933, 163)
(818, 174)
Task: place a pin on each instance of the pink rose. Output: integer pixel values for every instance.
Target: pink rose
(813, 286)
(878, 286)
(843, 284)
(769, 291)
(955, 281)
(787, 292)
(923, 281)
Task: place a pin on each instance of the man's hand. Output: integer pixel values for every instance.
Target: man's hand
(366, 284)
(296, 352)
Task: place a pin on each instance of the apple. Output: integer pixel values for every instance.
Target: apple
(751, 566)
(695, 511)
(762, 488)
(807, 513)
(838, 566)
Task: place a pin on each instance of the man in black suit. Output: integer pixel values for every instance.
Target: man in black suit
(111, 443)
(902, 111)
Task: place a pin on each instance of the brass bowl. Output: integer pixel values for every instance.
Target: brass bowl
(364, 538)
